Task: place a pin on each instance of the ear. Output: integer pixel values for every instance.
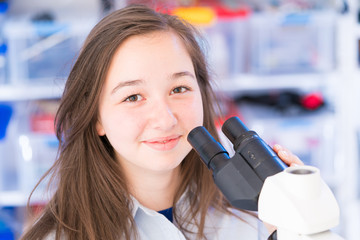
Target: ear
(99, 128)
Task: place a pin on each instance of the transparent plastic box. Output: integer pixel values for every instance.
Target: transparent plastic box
(227, 40)
(40, 52)
(27, 151)
(37, 144)
(36, 153)
(292, 42)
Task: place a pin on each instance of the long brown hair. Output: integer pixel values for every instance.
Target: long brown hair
(91, 200)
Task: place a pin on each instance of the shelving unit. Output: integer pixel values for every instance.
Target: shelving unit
(32, 84)
(18, 199)
(9, 93)
(343, 85)
(251, 82)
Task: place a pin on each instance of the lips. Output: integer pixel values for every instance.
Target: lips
(163, 144)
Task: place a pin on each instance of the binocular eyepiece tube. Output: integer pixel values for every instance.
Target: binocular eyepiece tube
(240, 178)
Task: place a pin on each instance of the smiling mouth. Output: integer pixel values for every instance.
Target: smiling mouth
(163, 145)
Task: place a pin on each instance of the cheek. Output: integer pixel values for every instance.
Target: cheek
(193, 113)
(121, 127)
(199, 110)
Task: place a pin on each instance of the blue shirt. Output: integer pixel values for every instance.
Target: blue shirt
(167, 213)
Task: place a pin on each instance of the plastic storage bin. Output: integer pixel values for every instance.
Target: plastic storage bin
(36, 145)
(39, 52)
(36, 154)
(292, 43)
(27, 151)
(224, 30)
(228, 42)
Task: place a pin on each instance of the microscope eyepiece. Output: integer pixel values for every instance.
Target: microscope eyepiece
(207, 147)
(233, 128)
(263, 160)
(241, 177)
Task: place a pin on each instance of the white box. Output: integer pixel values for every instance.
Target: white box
(42, 52)
(293, 42)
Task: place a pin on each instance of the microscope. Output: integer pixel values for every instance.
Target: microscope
(293, 199)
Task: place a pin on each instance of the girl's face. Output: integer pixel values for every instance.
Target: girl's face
(150, 102)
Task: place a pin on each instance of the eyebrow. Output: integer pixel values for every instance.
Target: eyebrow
(182, 74)
(140, 81)
(127, 83)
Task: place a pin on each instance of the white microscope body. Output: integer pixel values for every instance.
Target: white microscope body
(299, 203)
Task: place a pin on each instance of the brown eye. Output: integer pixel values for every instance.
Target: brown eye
(180, 89)
(133, 98)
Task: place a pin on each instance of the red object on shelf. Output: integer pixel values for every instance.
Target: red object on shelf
(36, 209)
(43, 123)
(225, 12)
(312, 101)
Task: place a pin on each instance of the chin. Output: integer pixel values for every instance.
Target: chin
(165, 165)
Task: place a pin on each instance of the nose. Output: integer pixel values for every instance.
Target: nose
(163, 116)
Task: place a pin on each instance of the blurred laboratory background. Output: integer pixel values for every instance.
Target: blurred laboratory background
(288, 68)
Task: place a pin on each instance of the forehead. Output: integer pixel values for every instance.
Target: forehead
(163, 39)
(160, 49)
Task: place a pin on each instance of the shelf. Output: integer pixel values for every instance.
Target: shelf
(13, 198)
(27, 92)
(18, 198)
(249, 82)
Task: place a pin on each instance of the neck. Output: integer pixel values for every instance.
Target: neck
(155, 190)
